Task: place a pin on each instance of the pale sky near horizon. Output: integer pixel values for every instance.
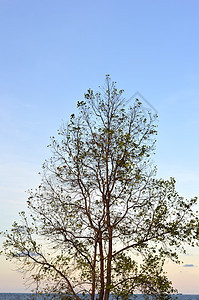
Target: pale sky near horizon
(51, 52)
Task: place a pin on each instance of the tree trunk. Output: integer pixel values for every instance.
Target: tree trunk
(101, 294)
(93, 270)
(108, 279)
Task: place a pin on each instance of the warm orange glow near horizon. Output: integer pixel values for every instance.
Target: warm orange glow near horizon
(185, 279)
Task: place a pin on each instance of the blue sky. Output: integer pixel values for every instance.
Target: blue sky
(51, 52)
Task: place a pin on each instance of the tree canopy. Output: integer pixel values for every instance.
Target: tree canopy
(100, 222)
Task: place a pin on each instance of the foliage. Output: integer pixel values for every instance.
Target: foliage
(100, 207)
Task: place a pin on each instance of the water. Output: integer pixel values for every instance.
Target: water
(22, 296)
(14, 296)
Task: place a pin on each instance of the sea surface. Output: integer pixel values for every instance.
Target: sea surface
(23, 296)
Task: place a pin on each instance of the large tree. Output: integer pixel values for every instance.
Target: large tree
(100, 222)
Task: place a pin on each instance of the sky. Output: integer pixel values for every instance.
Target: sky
(51, 52)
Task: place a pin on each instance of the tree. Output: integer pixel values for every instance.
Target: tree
(100, 208)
